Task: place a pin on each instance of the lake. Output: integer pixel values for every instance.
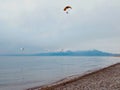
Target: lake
(21, 72)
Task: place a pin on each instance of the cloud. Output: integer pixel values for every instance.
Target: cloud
(40, 24)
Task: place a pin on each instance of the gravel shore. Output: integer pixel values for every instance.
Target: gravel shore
(104, 79)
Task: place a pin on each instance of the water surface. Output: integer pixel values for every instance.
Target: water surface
(21, 72)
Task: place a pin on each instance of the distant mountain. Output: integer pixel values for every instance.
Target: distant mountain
(69, 53)
(77, 53)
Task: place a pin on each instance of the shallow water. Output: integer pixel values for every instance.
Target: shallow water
(21, 72)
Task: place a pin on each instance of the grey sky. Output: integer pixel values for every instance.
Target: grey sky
(38, 25)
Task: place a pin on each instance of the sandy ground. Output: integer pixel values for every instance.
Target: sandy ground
(104, 79)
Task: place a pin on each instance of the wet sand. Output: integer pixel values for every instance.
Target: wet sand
(104, 79)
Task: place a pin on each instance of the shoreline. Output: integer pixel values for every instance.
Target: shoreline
(80, 80)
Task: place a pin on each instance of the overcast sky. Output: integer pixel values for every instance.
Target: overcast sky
(42, 25)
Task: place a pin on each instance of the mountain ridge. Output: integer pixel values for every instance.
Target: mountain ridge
(68, 53)
(77, 53)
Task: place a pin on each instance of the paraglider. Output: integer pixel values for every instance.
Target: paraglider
(66, 9)
(22, 49)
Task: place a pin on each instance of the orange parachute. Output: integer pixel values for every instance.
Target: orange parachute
(67, 8)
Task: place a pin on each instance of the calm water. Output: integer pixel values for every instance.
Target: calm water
(19, 73)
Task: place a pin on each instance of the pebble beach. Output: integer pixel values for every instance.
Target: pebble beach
(107, 78)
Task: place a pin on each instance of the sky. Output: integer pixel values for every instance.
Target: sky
(42, 25)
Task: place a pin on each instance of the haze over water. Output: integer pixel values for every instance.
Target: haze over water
(18, 73)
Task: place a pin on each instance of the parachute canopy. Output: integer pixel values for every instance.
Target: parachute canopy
(66, 9)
